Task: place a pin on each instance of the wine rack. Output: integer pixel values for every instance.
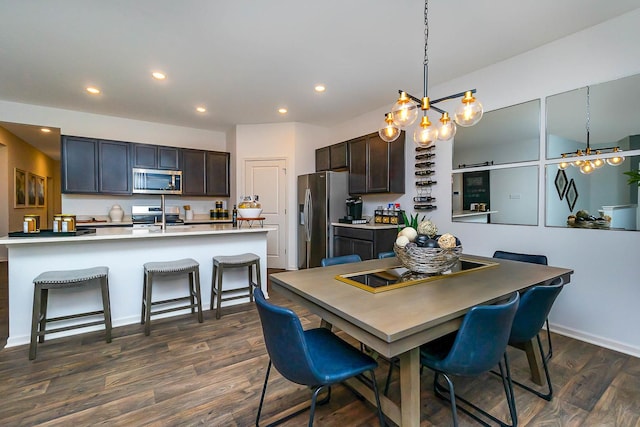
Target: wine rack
(424, 169)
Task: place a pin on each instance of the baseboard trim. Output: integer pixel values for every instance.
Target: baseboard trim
(597, 340)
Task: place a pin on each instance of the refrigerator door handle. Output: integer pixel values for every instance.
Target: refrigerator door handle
(308, 214)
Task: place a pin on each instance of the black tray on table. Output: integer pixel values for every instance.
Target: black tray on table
(50, 233)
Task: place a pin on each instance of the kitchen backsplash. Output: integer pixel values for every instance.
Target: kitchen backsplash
(85, 205)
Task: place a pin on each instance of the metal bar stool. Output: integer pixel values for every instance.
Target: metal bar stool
(170, 268)
(67, 279)
(234, 261)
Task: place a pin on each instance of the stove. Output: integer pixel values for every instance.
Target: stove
(144, 216)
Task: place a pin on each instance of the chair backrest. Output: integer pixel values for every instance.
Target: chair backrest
(389, 254)
(344, 259)
(533, 311)
(513, 256)
(482, 338)
(285, 342)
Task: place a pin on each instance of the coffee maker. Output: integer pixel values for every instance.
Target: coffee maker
(354, 210)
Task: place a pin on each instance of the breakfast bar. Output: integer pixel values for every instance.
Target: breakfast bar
(124, 250)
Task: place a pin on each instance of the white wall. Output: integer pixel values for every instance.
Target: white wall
(600, 305)
(294, 142)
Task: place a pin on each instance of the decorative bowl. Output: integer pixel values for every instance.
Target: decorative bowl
(249, 212)
(427, 260)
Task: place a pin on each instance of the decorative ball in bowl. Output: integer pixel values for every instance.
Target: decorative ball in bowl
(249, 212)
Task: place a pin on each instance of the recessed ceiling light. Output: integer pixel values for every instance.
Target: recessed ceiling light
(93, 90)
(201, 109)
(158, 75)
(45, 130)
(320, 88)
(282, 110)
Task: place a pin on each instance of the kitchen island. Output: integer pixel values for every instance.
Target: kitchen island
(124, 250)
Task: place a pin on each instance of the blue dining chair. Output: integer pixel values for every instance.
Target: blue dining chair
(474, 349)
(344, 259)
(315, 357)
(534, 308)
(532, 259)
(389, 254)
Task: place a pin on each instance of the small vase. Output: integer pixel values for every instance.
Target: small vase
(116, 213)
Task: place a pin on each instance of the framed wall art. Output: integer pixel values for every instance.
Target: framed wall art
(41, 191)
(561, 183)
(571, 194)
(20, 188)
(31, 189)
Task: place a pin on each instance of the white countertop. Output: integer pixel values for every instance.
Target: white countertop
(365, 226)
(119, 233)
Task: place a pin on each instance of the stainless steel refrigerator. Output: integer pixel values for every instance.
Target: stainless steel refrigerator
(321, 200)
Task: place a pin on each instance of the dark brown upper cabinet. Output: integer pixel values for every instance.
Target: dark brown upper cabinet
(150, 156)
(333, 157)
(95, 166)
(205, 173)
(376, 166)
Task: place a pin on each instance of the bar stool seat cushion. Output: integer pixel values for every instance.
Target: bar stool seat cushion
(68, 278)
(236, 259)
(171, 266)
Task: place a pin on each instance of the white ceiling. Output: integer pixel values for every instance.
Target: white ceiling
(244, 59)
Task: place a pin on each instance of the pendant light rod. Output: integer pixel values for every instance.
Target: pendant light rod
(435, 101)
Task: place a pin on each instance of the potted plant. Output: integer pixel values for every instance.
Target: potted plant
(634, 177)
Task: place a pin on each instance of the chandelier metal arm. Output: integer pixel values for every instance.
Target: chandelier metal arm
(601, 150)
(435, 101)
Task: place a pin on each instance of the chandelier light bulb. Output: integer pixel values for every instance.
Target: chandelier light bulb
(404, 111)
(447, 128)
(615, 161)
(469, 112)
(598, 163)
(586, 168)
(388, 132)
(563, 164)
(425, 134)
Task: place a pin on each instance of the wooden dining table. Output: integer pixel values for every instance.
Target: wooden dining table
(396, 322)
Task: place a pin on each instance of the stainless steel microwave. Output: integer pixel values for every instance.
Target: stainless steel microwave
(156, 181)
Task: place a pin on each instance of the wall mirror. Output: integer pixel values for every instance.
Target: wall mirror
(610, 112)
(509, 195)
(506, 135)
(605, 192)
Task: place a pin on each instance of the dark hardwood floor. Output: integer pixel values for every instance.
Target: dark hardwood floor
(211, 374)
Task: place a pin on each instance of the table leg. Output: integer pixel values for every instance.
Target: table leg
(535, 362)
(410, 387)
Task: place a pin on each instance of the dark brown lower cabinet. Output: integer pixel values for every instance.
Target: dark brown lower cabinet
(366, 242)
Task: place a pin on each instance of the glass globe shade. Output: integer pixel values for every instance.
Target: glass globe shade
(425, 136)
(447, 128)
(586, 168)
(615, 161)
(404, 112)
(388, 131)
(597, 163)
(563, 165)
(469, 112)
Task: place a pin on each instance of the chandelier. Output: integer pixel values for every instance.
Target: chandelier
(405, 111)
(587, 166)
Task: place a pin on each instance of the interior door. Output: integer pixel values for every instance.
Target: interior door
(267, 179)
